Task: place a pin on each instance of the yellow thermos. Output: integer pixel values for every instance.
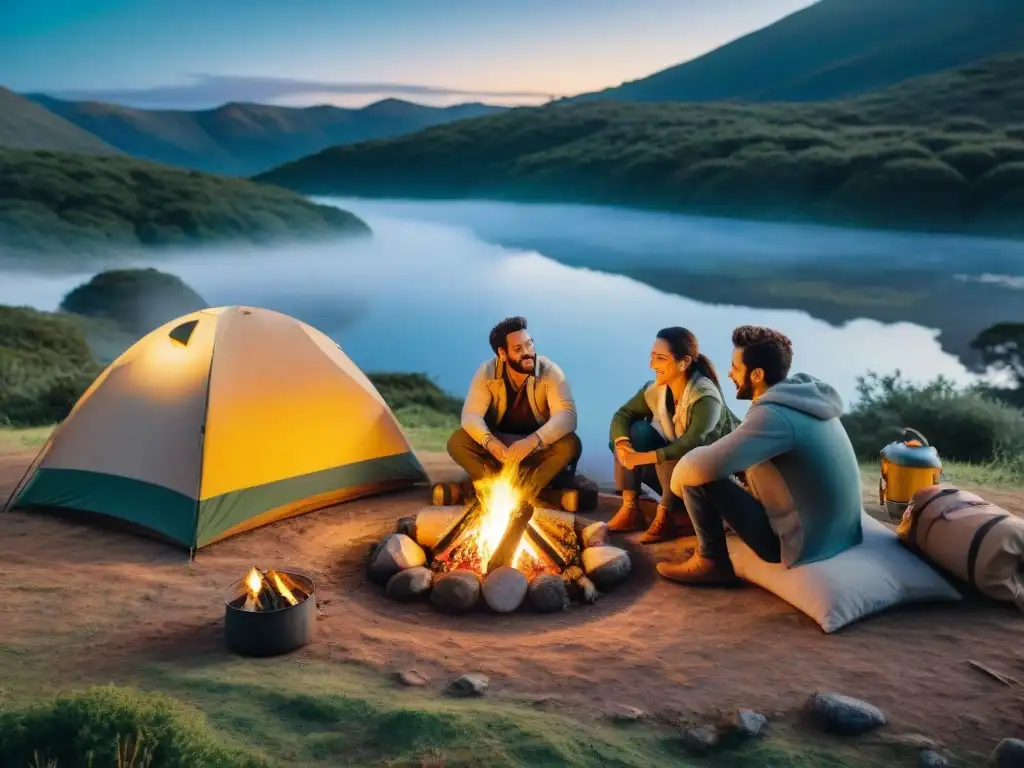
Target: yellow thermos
(908, 465)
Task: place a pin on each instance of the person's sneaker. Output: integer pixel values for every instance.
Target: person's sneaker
(628, 518)
(665, 527)
(698, 569)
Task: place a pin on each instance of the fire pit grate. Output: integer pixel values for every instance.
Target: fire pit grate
(266, 614)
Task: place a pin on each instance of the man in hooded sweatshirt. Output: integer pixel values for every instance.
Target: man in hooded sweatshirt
(800, 501)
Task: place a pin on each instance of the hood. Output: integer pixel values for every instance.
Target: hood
(806, 394)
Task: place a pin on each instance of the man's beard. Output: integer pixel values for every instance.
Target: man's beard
(518, 367)
(745, 390)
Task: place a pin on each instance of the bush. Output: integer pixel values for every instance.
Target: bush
(84, 730)
(963, 424)
(414, 390)
(138, 300)
(45, 366)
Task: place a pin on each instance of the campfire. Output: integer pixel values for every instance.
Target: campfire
(500, 546)
(269, 612)
(500, 528)
(271, 591)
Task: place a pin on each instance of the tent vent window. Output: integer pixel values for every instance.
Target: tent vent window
(182, 333)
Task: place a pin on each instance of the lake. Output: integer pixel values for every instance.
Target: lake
(424, 292)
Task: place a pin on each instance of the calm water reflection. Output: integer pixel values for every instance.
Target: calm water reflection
(422, 295)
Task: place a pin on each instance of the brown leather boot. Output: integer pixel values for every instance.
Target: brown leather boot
(629, 517)
(700, 570)
(664, 527)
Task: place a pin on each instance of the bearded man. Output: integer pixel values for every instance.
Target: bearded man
(519, 412)
(800, 501)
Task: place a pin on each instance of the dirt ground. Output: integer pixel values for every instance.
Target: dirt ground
(651, 644)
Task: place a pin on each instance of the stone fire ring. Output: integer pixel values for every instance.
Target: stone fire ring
(570, 561)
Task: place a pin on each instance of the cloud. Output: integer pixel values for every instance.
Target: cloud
(213, 90)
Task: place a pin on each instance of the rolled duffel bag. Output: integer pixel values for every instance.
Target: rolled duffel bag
(969, 537)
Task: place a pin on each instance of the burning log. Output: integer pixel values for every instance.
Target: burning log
(474, 512)
(271, 591)
(505, 552)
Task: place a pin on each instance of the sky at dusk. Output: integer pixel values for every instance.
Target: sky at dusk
(201, 53)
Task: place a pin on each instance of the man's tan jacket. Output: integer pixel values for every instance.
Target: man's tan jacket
(547, 391)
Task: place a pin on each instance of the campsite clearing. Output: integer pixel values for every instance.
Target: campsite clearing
(84, 604)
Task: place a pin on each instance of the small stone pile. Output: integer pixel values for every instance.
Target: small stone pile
(400, 563)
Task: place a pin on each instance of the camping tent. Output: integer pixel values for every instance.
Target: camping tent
(218, 422)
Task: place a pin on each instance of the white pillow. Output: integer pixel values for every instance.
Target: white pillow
(876, 574)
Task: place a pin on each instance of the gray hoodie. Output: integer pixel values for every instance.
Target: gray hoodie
(798, 462)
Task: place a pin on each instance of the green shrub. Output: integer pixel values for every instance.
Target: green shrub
(963, 424)
(45, 365)
(406, 390)
(138, 300)
(84, 730)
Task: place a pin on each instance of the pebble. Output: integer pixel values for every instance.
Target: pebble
(595, 535)
(411, 678)
(606, 566)
(627, 715)
(407, 526)
(547, 593)
(749, 723)
(410, 583)
(835, 713)
(455, 591)
(929, 758)
(701, 739)
(469, 685)
(504, 589)
(395, 553)
(1009, 753)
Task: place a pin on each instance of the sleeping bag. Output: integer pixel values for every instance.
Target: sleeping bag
(969, 537)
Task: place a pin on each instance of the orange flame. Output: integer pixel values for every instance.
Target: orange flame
(284, 591)
(254, 581)
(499, 496)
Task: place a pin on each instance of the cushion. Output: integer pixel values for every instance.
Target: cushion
(876, 574)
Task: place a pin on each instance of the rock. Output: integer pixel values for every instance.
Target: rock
(455, 591)
(406, 526)
(395, 553)
(627, 715)
(701, 739)
(606, 566)
(410, 677)
(504, 589)
(410, 583)
(843, 715)
(595, 535)
(929, 758)
(548, 594)
(468, 685)
(749, 723)
(434, 522)
(1009, 753)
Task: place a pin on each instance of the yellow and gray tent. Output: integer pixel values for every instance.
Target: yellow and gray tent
(219, 422)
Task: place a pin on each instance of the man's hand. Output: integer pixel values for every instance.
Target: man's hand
(621, 449)
(497, 449)
(520, 449)
(628, 458)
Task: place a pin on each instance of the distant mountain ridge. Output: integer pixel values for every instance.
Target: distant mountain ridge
(26, 125)
(241, 139)
(837, 49)
(943, 152)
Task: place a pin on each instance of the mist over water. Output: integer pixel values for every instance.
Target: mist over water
(422, 294)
